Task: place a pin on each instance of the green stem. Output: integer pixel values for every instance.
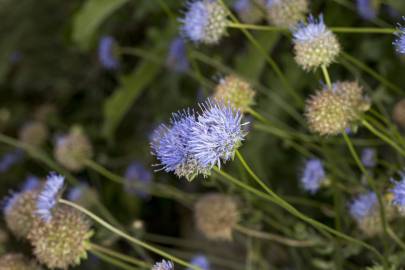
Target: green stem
(383, 137)
(327, 78)
(128, 237)
(256, 27)
(258, 116)
(112, 261)
(118, 255)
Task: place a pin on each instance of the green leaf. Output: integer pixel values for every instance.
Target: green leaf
(131, 86)
(90, 16)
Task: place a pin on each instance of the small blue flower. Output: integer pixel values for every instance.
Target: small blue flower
(195, 21)
(48, 197)
(399, 43)
(10, 159)
(200, 261)
(366, 9)
(177, 57)
(313, 175)
(363, 205)
(163, 265)
(368, 157)
(399, 191)
(217, 134)
(106, 53)
(136, 172)
(32, 182)
(311, 31)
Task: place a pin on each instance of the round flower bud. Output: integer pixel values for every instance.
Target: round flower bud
(72, 149)
(236, 92)
(62, 241)
(330, 111)
(398, 113)
(205, 21)
(16, 261)
(34, 133)
(286, 13)
(19, 212)
(314, 44)
(216, 215)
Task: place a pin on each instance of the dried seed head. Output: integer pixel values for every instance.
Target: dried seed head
(286, 13)
(216, 215)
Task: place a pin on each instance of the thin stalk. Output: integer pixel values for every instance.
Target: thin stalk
(120, 256)
(274, 237)
(258, 116)
(112, 261)
(128, 237)
(326, 76)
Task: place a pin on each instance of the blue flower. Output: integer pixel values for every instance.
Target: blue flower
(9, 159)
(177, 57)
(399, 43)
(200, 261)
(363, 205)
(313, 175)
(106, 53)
(217, 134)
(136, 172)
(368, 157)
(48, 197)
(163, 265)
(311, 31)
(399, 191)
(366, 9)
(32, 182)
(205, 21)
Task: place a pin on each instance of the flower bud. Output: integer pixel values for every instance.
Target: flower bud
(73, 149)
(216, 215)
(236, 92)
(286, 13)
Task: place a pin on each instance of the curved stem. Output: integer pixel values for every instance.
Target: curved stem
(274, 237)
(128, 237)
(327, 78)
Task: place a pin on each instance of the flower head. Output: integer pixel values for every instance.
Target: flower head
(363, 205)
(216, 215)
(16, 261)
(314, 44)
(137, 174)
(63, 241)
(177, 57)
(236, 92)
(163, 265)
(399, 192)
(34, 133)
(248, 11)
(398, 113)
(106, 53)
(366, 9)
(217, 134)
(369, 157)
(48, 197)
(286, 13)
(313, 175)
(205, 21)
(200, 261)
(399, 43)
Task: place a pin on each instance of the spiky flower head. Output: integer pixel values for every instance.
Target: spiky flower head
(73, 149)
(331, 111)
(216, 215)
(200, 261)
(63, 241)
(48, 196)
(107, 54)
(19, 212)
(137, 175)
(205, 21)
(313, 175)
(16, 261)
(286, 13)
(34, 133)
(177, 56)
(369, 157)
(163, 265)
(236, 92)
(367, 9)
(249, 12)
(399, 43)
(398, 113)
(398, 192)
(314, 44)
(217, 134)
